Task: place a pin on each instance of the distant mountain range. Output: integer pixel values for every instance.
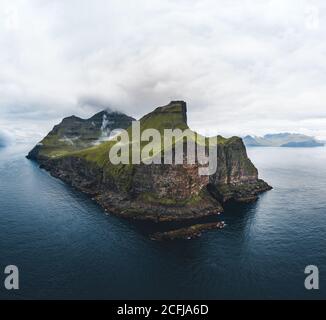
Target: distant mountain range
(4, 139)
(286, 140)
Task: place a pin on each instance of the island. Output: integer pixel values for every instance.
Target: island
(187, 233)
(284, 140)
(77, 152)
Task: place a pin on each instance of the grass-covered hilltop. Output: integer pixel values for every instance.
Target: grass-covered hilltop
(74, 133)
(77, 152)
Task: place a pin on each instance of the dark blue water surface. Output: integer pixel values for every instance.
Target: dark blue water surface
(66, 247)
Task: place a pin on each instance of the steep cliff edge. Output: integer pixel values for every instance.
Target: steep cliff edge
(158, 192)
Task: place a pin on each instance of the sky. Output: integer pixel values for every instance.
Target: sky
(242, 66)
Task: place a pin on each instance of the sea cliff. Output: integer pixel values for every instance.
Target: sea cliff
(156, 192)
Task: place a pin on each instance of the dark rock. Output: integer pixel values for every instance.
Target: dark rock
(187, 233)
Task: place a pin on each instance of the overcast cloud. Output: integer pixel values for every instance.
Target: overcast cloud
(244, 67)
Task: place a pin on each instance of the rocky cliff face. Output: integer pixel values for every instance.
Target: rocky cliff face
(160, 192)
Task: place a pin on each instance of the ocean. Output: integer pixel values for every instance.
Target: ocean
(66, 247)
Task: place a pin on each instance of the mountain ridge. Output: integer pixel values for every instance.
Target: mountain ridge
(289, 140)
(75, 133)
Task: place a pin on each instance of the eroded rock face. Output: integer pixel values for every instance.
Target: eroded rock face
(161, 192)
(179, 182)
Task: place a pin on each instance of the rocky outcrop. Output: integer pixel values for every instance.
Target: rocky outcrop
(187, 233)
(159, 192)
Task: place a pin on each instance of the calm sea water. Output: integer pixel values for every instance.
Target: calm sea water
(66, 247)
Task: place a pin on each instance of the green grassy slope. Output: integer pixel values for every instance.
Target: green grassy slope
(75, 134)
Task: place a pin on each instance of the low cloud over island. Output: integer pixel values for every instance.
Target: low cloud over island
(244, 67)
